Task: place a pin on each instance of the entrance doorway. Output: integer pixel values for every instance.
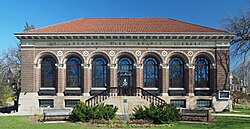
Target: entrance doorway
(125, 87)
(125, 75)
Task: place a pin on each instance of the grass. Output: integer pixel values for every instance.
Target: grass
(21, 122)
(239, 110)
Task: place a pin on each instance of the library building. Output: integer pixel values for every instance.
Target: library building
(124, 62)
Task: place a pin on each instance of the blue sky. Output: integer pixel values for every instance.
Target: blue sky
(15, 13)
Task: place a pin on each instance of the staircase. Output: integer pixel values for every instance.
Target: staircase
(118, 91)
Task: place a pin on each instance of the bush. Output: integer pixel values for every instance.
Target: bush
(102, 111)
(159, 114)
(82, 112)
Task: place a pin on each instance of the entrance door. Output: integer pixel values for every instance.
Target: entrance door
(125, 70)
(125, 87)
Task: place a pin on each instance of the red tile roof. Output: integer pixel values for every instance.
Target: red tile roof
(116, 25)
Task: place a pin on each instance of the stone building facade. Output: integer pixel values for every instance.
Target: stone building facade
(182, 63)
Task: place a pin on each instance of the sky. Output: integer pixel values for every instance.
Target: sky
(15, 13)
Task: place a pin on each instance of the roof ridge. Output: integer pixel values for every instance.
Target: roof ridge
(135, 24)
(52, 25)
(196, 24)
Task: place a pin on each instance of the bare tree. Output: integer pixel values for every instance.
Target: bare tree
(240, 27)
(12, 66)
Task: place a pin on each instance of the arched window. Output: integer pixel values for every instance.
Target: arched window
(201, 75)
(99, 72)
(49, 72)
(73, 72)
(150, 73)
(125, 64)
(176, 73)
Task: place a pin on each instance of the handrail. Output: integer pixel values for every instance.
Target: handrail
(105, 93)
(118, 91)
(155, 100)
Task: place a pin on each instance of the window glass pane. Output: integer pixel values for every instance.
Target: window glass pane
(99, 72)
(176, 73)
(48, 72)
(204, 103)
(150, 74)
(73, 72)
(178, 103)
(201, 76)
(71, 103)
(46, 103)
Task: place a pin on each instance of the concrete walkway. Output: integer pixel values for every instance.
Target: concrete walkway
(239, 115)
(13, 114)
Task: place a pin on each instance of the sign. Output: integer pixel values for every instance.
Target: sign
(125, 101)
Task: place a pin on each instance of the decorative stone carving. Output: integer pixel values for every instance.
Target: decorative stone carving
(190, 53)
(59, 53)
(164, 53)
(85, 53)
(138, 53)
(112, 53)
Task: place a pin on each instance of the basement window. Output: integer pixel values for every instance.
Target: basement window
(46, 103)
(71, 103)
(178, 103)
(204, 103)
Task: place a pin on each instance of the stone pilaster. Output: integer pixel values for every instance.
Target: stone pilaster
(37, 69)
(61, 82)
(190, 80)
(139, 75)
(86, 78)
(164, 80)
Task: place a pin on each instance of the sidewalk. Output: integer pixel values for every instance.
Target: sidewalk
(239, 115)
(13, 114)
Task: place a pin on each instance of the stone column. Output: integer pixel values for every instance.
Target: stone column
(61, 81)
(139, 75)
(212, 77)
(86, 78)
(138, 78)
(165, 80)
(37, 69)
(190, 79)
(113, 77)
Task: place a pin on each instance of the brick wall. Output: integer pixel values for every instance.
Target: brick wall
(31, 76)
(27, 71)
(223, 69)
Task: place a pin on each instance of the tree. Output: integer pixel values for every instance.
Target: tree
(13, 67)
(28, 27)
(240, 27)
(10, 70)
(5, 91)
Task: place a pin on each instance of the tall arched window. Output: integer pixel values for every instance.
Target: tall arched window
(201, 75)
(73, 72)
(125, 64)
(176, 72)
(150, 73)
(49, 72)
(99, 73)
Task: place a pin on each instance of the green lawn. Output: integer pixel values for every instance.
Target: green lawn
(21, 122)
(239, 110)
